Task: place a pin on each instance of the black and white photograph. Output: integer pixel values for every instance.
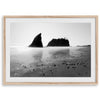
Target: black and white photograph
(51, 48)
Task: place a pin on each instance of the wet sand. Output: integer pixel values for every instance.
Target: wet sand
(51, 62)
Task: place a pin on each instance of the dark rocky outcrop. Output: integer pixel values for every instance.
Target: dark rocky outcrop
(59, 42)
(37, 42)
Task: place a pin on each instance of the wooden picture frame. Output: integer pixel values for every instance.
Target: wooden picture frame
(67, 19)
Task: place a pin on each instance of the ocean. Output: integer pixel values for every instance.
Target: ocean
(50, 61)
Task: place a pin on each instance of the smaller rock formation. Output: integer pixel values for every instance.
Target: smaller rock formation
(59, 42)
(37, 42)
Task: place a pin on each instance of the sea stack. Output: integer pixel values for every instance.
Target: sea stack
(37, 41)
(59, 42)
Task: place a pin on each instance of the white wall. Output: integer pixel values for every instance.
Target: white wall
(47, 7)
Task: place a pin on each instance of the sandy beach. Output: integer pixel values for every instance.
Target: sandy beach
(50, 62)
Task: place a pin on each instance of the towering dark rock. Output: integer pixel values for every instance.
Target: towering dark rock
(37, 42)
(59, 42)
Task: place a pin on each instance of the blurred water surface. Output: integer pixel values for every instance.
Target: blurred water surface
(26, 57)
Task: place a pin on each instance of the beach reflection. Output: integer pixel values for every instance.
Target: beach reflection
(50, 61)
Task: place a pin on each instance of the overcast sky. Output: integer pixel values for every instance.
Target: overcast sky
(22, 34)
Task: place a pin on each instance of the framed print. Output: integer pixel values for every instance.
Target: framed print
(50, 50)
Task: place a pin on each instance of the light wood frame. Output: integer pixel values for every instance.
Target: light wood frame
(54, 83)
